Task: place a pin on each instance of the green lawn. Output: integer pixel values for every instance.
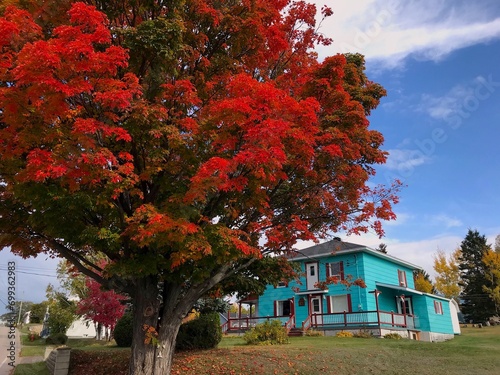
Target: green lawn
(32, 369)
(476, 351)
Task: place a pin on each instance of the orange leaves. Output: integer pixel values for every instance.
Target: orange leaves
(17, 28)
(150, 335)
(92, 126)
(64, 100)
(147, 223)
(41, 166)
(90, 21)
(254, 128)
(73, 62)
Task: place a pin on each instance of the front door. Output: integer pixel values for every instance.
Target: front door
(317, 308)
(404, 307)
(311, 275)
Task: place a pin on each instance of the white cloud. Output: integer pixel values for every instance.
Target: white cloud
(460, 100)
(445, 221)
(404, 160)
(390, 31)
(420, 253)
(401, 219)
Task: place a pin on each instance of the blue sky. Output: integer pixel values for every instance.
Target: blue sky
(440, 63)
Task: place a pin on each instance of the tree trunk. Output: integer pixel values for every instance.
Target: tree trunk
(145, 315)
(156, 356)
(98, 332)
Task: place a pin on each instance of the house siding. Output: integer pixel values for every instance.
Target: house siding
(378, 270)
(375, 269)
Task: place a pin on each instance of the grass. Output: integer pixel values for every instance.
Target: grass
(32, 369)
(476, 351)
(473, 353)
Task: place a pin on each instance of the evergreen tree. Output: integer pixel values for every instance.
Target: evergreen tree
(382, 248)
(476, 304)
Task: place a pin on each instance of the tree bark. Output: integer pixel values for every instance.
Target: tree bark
(145, 314)
(162, 308)
(156, 356)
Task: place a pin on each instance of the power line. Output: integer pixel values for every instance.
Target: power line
(29, 273)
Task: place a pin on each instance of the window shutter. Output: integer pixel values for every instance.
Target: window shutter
(329, 304)
(341, 266)
(327, 270)
(275, 308)
(349, 303)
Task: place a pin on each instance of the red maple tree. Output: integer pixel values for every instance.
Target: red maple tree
(181, 140)
(103, 307)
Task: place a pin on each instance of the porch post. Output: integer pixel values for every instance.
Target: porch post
(376, 293)
(403, 308)
(239, 315)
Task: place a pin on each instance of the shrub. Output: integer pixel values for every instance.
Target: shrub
(344, 334)
(202, 333)
(364, 334)
(123, 331)
(313, 333)
(267, 333)
(56, 339)
(393, 336)
(33, 336)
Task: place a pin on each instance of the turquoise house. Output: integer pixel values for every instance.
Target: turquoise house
(389, 302)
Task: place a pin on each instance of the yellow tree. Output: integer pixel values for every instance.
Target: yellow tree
(491, 262)
(448, 274)
(423, 282)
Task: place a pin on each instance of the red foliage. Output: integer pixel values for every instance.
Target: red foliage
(101, 306)
(182, 141)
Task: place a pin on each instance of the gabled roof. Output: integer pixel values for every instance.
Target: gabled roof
(338, 247)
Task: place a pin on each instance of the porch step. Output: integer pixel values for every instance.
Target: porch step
(295, 332)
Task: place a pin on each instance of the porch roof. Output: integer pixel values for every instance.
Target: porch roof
(314, 291)
(399, 288)
(410, 291)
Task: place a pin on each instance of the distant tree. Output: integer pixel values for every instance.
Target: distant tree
(207, 305)
(423, 282)
(491, 262)
(62, 311)
(72, 281)
(38, 311)
(18, 310)
(497, 243)
(102, 307)
(476, 304)
(382, 248)
(447, 274)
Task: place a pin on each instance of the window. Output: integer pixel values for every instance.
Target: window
(438, 307)
(335, 269)
(402, 278)
(312, 270)
(338, 304)
(282, 284)
(406, 307)
(283, 308)
(311, 275)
